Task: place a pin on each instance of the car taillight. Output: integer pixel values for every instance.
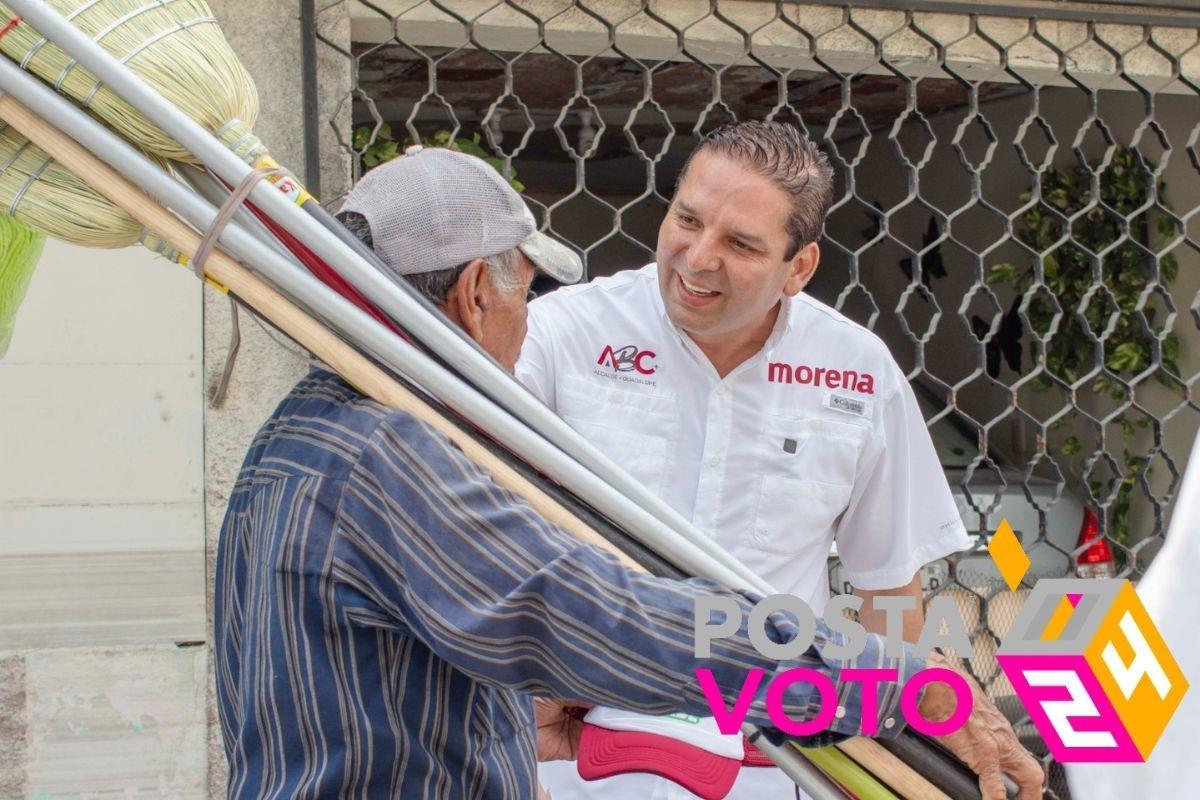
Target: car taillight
(1096, 561)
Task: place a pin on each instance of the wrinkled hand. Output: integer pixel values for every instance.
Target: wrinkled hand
(986, 743)
(558, 732)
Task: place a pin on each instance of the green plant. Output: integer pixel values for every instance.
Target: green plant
(1070, 273)
(385, 147)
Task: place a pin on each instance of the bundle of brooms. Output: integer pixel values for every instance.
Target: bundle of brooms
(164, 81)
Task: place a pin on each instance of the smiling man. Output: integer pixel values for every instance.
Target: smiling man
(774, 423)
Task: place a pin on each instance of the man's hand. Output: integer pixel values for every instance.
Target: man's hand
(987, 743)
(558, 731)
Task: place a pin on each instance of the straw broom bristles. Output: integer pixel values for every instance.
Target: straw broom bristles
(39, 192)
(43, 195)
(175, 45)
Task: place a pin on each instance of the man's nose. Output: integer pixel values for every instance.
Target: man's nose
(704, 254)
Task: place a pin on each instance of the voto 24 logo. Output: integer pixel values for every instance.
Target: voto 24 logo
(1083, 656)
(1088, 663)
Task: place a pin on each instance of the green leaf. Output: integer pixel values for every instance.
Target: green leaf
(1170, 268)
(1003, 273)
(362, 135)
(1128, 357)
(1070, 446)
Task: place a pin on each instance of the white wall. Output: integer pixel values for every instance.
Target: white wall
(102, 530)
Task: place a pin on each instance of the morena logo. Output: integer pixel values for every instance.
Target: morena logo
(628, 359)
(829, 377)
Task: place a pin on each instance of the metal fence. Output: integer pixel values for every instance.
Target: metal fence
(1016, 209)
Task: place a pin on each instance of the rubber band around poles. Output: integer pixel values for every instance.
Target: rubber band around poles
(224, 214)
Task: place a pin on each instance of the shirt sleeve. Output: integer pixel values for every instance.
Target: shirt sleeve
(535, 367)
(469, 569)
(901, 513)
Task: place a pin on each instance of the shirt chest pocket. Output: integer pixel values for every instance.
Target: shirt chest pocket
(808, 468)
(636, 430)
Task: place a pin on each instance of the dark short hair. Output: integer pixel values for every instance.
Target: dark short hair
(789, 159)
(433, 286)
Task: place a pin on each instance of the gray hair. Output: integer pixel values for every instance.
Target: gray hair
(504, 269)
(790, 160)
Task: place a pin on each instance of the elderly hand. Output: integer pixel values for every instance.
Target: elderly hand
(986, 743)
(558, 731)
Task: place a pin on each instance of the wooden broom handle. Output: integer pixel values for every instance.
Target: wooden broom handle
(353, 366)
(900, 777)
(356, 368)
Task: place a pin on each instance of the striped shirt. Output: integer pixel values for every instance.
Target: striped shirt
(384, 612)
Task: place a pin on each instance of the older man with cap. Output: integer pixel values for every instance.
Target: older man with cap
(384, 611)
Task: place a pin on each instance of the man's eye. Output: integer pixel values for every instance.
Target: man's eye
(740, 245)
(686, 219)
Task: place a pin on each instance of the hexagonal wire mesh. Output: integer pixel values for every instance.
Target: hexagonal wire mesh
(1017, 213)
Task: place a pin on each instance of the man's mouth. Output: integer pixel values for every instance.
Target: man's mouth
(696, 291)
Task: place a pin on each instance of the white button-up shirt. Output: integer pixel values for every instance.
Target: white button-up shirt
(817, 438)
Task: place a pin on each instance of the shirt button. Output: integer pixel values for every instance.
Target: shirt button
(712, 462)
(889, 723)
(841, 712)
(722, 388)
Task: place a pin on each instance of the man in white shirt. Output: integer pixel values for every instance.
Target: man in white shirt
(778, 426)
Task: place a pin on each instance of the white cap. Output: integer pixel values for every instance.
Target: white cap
(434, 209)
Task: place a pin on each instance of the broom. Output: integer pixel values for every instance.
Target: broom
(20, 247)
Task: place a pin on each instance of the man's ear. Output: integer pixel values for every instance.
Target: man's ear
(802, 268)
(468, 297)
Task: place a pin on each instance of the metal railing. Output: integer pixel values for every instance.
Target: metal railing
(1017, 208)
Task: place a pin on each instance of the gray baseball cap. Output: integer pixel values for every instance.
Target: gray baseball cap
(433, 209)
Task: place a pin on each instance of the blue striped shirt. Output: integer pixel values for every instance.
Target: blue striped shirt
(384, 612)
